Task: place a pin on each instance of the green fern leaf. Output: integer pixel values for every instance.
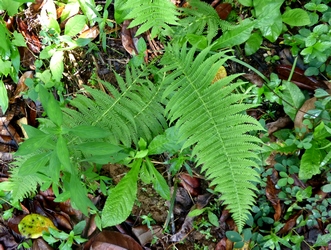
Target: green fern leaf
(128, 113)
(201, 18)
(211, 118)
(156, 15)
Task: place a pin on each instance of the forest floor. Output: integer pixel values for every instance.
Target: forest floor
(144, 229)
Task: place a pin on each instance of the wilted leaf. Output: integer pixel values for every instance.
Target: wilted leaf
(223, 10)
(291, 222)
(272, 195)
(128, 38)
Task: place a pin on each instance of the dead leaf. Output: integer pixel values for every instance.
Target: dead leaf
(272, 195)
(145, 235)
(90, 33)
(223, 10)
(40, 244)
(191, 184)
(279, 124)
(308, 105)
(31, 38)
(112, 240)
(291, 222)
(20, 86)
(33, 225)
(128, 38)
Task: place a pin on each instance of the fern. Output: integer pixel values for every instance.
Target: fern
(156, 15)
(212, 120)
(132, 111)
(201, 19)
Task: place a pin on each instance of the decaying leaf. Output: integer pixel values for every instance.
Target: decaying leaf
(128, 38)
(272, 194)
(33, 225)
(221, 73)
(112, 241)
(223, 10)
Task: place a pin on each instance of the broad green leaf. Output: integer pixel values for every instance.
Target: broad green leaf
(54, 111)
(159, 183)
(296, 17)
(5, 67)
(199, 41)
(78, 197)
(196, 212)
(10, 6)
(168, 142)
(233, 236)
(310, 162)
(272, 31)
(293, 99)
(74, 25)
(18, 39)
(213, 219)
(120, 13)
(33, 144)
(247, 3)
(88, 7)
(235, 36)
(253, 43)
(34, 164)
(3, 97)
(120, 201)
(323, 240)
(63, 153)
(89, 132)
(33, 225)
(98, 148)
(53, 24)
(326, 188)
(56, 65)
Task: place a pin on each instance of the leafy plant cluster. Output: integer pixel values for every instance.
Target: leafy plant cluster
(171, 105)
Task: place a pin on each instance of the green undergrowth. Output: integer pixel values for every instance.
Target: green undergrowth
(168, 106)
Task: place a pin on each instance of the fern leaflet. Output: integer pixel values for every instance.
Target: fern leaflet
(130, 112)
(212, 120)
(156, 15)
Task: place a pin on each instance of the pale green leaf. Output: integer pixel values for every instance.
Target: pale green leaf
(3, 97)
(5, 67)
(120, 201)
(56, 65)
(296, 17)
(310, 162)
(293, 99)
(74, 25)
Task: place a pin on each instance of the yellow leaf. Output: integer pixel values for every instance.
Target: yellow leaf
(221, 73)
(33, 225)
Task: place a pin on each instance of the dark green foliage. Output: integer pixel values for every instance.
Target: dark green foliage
(212, 120)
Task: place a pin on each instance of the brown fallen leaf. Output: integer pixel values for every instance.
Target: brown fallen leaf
(145, 235)
(128, 38)
(191, 184)
(272, 195)
(40, 244)
(20, 86)
(291, 222)
(112, 240)
(90, 33)
(31, 38)
(223, 10)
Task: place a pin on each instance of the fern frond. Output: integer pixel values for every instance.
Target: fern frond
(210, 117)
(156, 15)
(201, 19)
(23, 186)
(128, 113)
